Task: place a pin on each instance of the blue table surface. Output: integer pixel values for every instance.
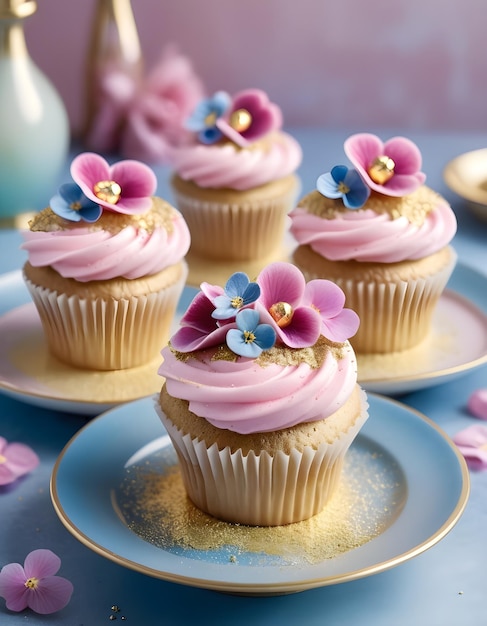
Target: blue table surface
(443, 586)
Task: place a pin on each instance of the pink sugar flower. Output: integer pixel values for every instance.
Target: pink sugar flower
(282, 305)
(363, 149)
(338, 323)
(16, 459)
(260, 116)
(472, 443)
(125, 187)
(35, 585)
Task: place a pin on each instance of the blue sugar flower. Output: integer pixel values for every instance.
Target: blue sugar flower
(239, 292)
(346, 184)
(250, 338)
(71, 204)
(204, 118)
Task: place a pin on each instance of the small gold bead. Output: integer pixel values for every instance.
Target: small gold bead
(282, 313)
(381, 170)
(240, 120)
(108, 191)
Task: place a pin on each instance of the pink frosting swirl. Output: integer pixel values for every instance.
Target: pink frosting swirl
(88, 253)
(227, 166)
(364, 235)
(247, 397)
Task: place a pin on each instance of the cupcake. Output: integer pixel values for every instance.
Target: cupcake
(235, 182)
(383, 236)
(260, 397)
(106, 266)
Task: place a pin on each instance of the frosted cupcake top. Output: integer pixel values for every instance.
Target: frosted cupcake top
(238, 143)
(380, 211)
(107, 224)
(266, 355)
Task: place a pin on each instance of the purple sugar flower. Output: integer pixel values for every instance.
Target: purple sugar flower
(391, 168)
(125, 187)
(16, 459)
(35, 585)
(199, 329)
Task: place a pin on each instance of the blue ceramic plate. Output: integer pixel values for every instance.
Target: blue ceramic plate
(400, 461)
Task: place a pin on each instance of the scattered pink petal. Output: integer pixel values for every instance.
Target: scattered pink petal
(16, 459)
(477, 404)
(35, 585)
(472, 443)
(363, 148)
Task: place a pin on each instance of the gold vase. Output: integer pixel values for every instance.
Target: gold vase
(114, 47)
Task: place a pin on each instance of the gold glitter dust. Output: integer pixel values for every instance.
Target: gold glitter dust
(154, 505)
(314, 356)
(161, 215)
(415, 206)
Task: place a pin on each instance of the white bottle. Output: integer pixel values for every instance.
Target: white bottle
(34, 126)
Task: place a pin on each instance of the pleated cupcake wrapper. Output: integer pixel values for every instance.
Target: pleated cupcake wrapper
(235, 232)
(260, 489)
(106, 334)
(393, 316)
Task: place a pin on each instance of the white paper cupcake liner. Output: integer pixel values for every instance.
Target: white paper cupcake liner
(106, 334)
(394, 316)
(235, 231)
(260, 489)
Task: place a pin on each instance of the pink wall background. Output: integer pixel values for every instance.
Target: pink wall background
(352, 64)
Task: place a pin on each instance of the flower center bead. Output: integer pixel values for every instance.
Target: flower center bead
(240, 120)
(342, 188)
(237, 302)
(210, 119)
(31, 583)
(76, 206)
(108, 191)
(381, 170)
(249, 336)
(281, 313)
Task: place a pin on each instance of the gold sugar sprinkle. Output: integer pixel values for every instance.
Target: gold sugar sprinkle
(154, 505)
(314, 356)
(415, 206)
(161, 215)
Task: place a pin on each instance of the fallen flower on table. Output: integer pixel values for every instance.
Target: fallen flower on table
(477, 404)
(472, 443)
(16, 459)
(35, 585)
